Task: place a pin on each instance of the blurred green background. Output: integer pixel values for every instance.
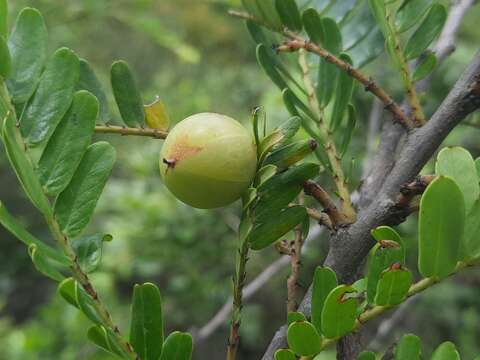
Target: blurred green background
(196, 58)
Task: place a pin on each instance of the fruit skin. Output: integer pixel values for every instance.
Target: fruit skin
(208, 160)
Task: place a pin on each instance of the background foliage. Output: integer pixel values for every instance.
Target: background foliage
(196, 58)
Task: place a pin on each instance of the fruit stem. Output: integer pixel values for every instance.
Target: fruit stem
(121, 130)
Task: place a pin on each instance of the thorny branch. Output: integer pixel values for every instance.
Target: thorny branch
(296, 42)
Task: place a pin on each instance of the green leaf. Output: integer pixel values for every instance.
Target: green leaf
(388, 251)
(177, 346)
(426, 32)
(75, 205)
(279, 136)
(343, 95)
(408, 348)
(333, 37)
(379, 12)
(89, 251)
(291, 154)
(86, 305)
(367, 355)
(66, 147)
(441, 224)
(127, 95)
(327, 76)
(265, 173)
(425, 68)
(4, 18)
(347, 133)
(105, 339)
(392, 287)
(472, 232)
(268, 64)
(269, 13)
(369, 49)
(341, 10)
(477, 165)
(457, 163)
(289, 14)
(410, 13)
(28, 49)
(357, 29)
(284, 354)
(273, 201)
(313, 26)
(267, 233)
(324, 281)
(296, 175)
(339, 312)
(67, 290)
(5, 59)
(43, 265)
(303, 338)
(386, 233)
(52, 98)
(89, 81)
(295, 316)
(446, 351)
(146, 328)
(252, 8)
(20, 162)
(16, 229)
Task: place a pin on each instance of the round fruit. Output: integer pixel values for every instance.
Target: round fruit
(208, 160)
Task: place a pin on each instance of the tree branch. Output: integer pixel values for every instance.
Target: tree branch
(349, 246)
(298, 43)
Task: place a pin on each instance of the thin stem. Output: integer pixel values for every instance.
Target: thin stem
(238, 284)
(328, 143)
(295, 262)
(329, 207)
(120, 130)
(298, 42)
(411, 89)
(370, 85)
(83, 280)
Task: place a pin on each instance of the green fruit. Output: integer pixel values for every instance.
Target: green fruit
(208, 160)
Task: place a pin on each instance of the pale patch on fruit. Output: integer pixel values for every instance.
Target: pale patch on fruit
(180, 151)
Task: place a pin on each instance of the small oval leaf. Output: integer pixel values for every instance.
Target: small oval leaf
(339, 312)
(440, 229)
(177, 346)
(408, 348)
(303, 338)
(392, 287)
(146, 329)
(52, 97)
(289, 14)
(284, 354)
(446, 351)
(267, 233)
(427, 32)
(75, 205)
(28, 48)
(324, 281)
(126, 93)
(68, 143)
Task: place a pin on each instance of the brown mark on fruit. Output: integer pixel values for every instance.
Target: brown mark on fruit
(179, 152)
